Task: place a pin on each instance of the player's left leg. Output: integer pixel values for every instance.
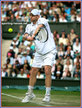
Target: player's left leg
(48, 75)
(48, 63)
(47, 83)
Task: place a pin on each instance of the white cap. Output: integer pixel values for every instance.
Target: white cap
(35, 12)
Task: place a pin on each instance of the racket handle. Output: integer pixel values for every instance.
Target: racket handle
(34, 38)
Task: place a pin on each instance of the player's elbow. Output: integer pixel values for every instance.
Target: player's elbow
(40, 26)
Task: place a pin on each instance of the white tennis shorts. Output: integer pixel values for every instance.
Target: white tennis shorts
(42, 60)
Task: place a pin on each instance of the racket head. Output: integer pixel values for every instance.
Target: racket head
(42, 35)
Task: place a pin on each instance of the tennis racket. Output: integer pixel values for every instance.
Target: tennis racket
(42, 35)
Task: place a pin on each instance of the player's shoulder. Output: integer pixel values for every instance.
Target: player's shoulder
(28, 25)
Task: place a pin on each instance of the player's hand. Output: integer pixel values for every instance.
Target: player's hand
(30, 38)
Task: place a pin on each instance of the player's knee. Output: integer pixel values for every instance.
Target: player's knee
(33, 72)
(47, 72)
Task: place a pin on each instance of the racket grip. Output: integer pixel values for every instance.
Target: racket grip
(34, 38)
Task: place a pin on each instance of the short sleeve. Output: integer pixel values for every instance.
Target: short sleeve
(42, 21)
(27, 29)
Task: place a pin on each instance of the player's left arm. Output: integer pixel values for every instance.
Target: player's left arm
(37, 29)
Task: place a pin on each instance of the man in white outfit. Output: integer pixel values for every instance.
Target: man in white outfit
(44, 56)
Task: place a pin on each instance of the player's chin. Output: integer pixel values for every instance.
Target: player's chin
(33, 20)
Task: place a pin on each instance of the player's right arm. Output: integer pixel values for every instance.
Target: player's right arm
(27, 32)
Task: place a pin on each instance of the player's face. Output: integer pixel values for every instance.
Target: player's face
(33, 18)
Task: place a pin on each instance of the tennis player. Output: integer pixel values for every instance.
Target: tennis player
(44, 56)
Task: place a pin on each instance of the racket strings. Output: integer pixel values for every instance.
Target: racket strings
(42, 35)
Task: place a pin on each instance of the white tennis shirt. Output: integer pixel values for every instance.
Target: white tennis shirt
(42, 48)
